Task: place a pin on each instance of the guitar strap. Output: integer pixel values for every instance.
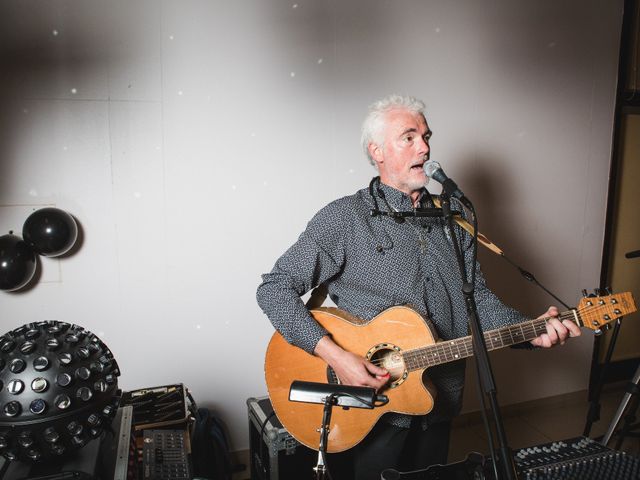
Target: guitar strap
(469, 228)
(426, 212)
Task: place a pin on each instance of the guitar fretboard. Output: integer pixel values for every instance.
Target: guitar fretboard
(452, 350)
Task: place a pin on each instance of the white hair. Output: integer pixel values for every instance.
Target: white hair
(374, 122)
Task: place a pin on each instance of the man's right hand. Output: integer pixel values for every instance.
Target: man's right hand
(349, 367)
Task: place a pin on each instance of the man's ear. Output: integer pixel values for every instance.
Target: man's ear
(376, 153)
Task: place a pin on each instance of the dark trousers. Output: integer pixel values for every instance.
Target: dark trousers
(388, 446)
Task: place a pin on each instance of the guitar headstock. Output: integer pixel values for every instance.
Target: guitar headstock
(595, 312)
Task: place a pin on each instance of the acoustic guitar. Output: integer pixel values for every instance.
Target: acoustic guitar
(399, 340)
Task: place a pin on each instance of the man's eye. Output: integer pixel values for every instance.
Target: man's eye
(409, 138)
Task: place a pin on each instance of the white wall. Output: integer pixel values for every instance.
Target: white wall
(193, 140)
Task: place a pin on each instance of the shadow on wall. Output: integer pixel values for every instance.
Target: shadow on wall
(551, 37)
(46, 52)
(503, 226)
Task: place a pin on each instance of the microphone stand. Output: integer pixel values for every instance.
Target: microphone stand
(330, 395)
(480, 350)
(321, 469)
(632, 387)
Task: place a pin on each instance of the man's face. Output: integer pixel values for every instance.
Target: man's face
(405, 149)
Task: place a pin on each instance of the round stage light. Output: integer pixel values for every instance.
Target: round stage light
(58, 390)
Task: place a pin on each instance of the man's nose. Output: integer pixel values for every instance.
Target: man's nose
(424, 147)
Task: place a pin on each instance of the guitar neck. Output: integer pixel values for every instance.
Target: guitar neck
(452, 350)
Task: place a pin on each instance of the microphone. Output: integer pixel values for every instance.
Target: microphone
(346, 395)
(434, 170)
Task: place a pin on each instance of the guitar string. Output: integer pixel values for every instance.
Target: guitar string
(525, 327)
(464, 347)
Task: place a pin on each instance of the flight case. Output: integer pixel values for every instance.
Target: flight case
(275, 454)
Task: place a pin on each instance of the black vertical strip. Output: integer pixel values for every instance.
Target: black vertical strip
(626, 44)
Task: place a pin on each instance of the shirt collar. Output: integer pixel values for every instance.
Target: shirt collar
(397, 199)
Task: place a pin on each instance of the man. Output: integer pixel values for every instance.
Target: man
(370, 263)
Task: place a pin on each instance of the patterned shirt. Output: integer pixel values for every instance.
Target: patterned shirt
(370, 263)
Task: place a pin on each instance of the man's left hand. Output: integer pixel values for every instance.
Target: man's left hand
(557, 331)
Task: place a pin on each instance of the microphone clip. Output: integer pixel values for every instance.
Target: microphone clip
(397, 216)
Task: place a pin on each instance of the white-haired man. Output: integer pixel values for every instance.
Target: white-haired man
(370, 263)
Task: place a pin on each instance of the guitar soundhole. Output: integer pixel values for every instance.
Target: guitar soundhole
(388, 357)
(383, 355)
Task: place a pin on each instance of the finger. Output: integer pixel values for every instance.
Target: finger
(375, 370)
(366, 380)
(372, 382)
(382, 382)
(574, 330)
(561, 331)
(551, 333)
(551, 312)
(542, 341)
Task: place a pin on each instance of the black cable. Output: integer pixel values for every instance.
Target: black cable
(264, 424)
(485, 420)
(474, 258)
(399, 216)
(454, 240)
(531, 278)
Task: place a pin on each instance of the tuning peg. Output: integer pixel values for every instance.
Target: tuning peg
(597, 332)
(607, 327)
(584, 293)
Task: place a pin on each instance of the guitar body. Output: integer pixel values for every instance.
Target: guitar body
(394, 330)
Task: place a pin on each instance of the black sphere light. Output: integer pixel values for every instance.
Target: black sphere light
(50, 231)
(17, 263)
(58, 390)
